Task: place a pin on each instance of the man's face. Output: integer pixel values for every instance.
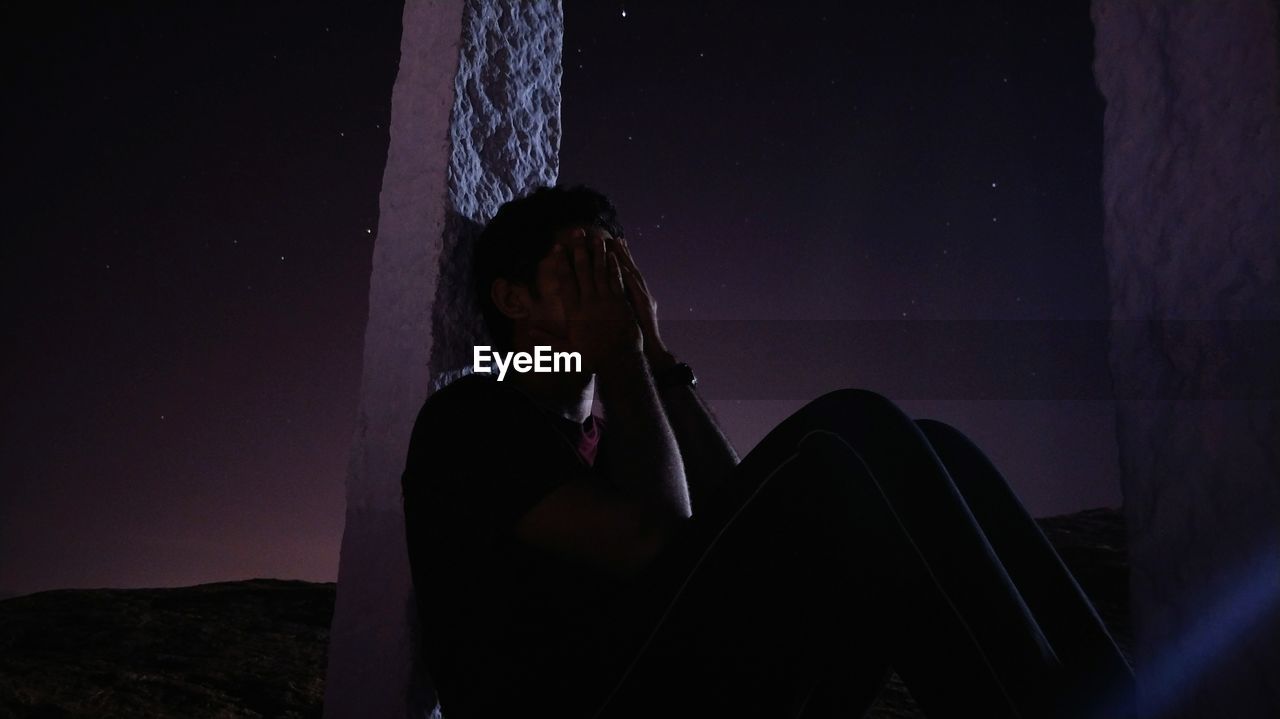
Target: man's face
(546, 312)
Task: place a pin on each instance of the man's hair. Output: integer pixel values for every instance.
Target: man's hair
(521, 234)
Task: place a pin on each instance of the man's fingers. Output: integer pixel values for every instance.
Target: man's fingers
(566, 284)
(634, 280)
(630, 262)
(623, 252)
(600, 266)
(624, 259)
(582, 271)
(635, 291)
(616, 286)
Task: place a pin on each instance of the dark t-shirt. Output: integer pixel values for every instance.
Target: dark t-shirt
(502, 622)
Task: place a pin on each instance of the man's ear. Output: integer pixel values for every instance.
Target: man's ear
(511, 298)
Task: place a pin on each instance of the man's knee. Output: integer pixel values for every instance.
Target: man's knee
(936, 428)
(947, 441)
(854, 399)
(968, 466)
(942, 438)
(827, 458)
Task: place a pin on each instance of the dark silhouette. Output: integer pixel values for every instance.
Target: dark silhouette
(633, 566)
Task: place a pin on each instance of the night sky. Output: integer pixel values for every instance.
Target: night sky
(191, 200)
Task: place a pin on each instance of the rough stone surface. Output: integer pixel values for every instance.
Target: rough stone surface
(505, 135)
(474, 122)
(1191, 187)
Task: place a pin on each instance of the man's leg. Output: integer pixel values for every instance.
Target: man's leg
(921, 496)
(841, 541)
(1089, 655)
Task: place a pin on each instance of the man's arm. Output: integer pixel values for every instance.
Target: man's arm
(652, 469)
(603, 328)
(620, 525)
(709, 456)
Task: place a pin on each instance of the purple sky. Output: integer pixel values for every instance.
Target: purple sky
(193, 191)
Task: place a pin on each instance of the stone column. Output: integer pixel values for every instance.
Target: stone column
(1191, 185)
(475, 121)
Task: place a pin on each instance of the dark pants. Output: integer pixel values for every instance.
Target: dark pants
(850, 541)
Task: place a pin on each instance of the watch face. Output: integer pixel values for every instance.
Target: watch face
(689, 378)
(678, 376)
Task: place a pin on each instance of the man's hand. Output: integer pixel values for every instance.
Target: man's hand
(599, 322)
(645, 307)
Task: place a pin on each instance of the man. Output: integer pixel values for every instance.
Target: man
(569, 565)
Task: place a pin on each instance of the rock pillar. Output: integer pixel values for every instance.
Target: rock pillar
(475, 120)
(1191, 186)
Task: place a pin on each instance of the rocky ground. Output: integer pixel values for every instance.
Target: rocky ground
(235, 649)
(257, 648)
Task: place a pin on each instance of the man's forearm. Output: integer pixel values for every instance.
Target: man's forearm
(709, 457)
(652, 468)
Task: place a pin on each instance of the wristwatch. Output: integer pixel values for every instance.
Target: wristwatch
(677, 375)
